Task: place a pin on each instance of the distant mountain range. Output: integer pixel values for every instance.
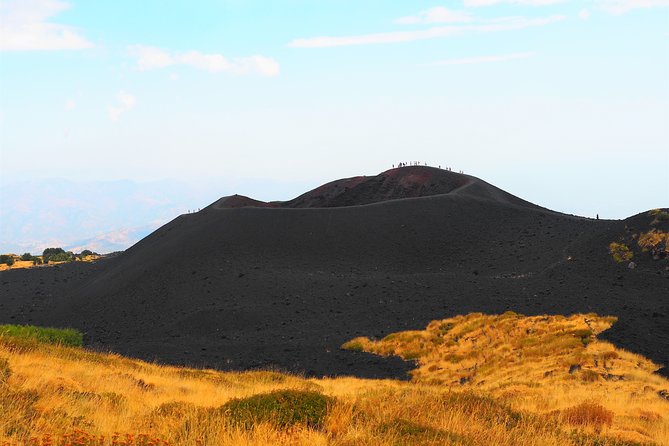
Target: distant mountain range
(106, 216)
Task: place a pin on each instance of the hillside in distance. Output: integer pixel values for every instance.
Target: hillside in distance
(246, 284)
(394, 184)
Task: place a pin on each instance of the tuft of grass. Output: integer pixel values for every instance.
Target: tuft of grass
(620, 252)
(654, 240)
(660, 215)
(588, 414)
(589, 376)
(5, 371)
(585, 335)
(61, 336)
(281, 408)
(355, 345)
(410, 433)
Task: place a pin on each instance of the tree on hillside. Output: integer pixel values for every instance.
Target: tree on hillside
(7, 259)
(57, 255)
(27, 256)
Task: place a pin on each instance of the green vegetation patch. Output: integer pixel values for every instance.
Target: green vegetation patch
(409, 433)
(281, 408)
(57, 255)
(61, 336)
(620, 252)
(354, 345)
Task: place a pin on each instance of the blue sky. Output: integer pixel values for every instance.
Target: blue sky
(562, 102)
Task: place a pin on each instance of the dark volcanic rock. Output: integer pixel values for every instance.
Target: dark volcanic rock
(244, 284)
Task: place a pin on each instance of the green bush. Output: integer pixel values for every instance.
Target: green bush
(27, 256)
(57, 255)
(62, 257)
(62, 336)
(281, 408)
(6, 259)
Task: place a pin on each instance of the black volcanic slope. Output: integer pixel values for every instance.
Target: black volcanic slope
(246, 284)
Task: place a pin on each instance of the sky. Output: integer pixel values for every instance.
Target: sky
(561, 102)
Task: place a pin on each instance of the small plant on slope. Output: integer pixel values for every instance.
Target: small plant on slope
(620, 252)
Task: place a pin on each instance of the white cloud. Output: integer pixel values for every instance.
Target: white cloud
(149, 58)
(484, 59)
(69, 105)
(503, 24)
(25, 27)
(584, 14)
(127, 102)
(438, 14)
(476, 3)
(618, 7)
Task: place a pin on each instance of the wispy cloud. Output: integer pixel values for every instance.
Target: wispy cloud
(503, 24)
(126, 103)
(149, 58)
(25, 27)
(476, 3)
(438, 14)
(584, 14)
(618, 7)
(483, 59)
(69, 105)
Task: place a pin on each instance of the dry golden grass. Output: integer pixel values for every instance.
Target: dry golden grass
(539, 364)
(18, 263)
(654, 240)
(55, 395)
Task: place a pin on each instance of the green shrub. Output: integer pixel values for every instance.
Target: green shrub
(63, 336)
(57, 255)
(27, 256)
(7, 259)
(62, 257)
(408, 432)
(281, 408)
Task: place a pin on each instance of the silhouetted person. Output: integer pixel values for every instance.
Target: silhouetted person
(597, 216)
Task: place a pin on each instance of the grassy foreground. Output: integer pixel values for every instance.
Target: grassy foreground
(521, 386)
